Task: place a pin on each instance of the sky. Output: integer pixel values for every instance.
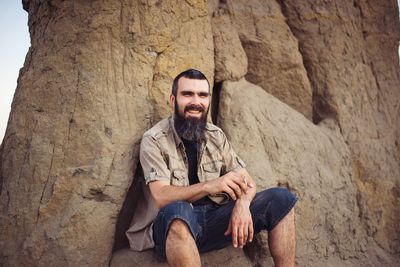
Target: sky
(14, 44)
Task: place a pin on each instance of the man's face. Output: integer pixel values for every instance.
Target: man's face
(192, 99)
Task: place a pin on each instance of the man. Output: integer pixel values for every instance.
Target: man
(199, 195)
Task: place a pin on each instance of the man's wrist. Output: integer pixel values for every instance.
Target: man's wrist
(205, 188)
(243, 201)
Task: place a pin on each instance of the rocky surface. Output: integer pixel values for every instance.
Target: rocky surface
(351, 55)
(229, 257)
(313, 84)
(230, 57)
(94, 80)
(261, 28)
(282, 148)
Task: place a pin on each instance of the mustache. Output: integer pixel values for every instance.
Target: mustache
(195, 107)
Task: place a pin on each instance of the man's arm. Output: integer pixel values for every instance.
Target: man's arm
(157, 176)
(251, 192)
(232, 183)
(241, 223)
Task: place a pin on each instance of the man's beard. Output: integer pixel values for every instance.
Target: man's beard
(190, 128)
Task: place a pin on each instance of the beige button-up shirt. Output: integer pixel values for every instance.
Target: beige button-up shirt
(163, 158)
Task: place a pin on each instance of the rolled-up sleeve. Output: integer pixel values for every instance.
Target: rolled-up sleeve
(231, 161)
(152, 161)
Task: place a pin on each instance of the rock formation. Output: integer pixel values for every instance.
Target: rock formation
(307, 91)
(352, 61)
(261, 29)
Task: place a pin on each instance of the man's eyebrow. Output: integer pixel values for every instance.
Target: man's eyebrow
(193, 92)
(204, 93)
(186, 91)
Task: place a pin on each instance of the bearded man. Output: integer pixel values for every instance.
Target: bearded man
(198, 195)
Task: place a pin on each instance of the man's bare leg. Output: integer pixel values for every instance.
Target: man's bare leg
(282, 241)
(180, 247)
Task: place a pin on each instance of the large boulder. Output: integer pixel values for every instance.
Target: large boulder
(230, 57)
(350, 50)
(282, 148)
(271, 50)
(92, 83)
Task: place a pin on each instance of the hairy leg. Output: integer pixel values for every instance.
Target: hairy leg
(282, 241)
(180, 247)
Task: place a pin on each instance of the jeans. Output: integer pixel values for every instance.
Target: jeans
(209, 222)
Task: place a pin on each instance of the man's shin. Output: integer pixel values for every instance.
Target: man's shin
(180, 247)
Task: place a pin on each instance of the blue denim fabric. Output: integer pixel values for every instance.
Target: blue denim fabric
(208, 223)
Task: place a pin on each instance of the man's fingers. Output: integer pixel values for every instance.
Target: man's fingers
(234, 235)
(243, 185)
(251, 232)
(245, 233)
(235, 188)
(237, 184)
(230, 192)
(241, 181)
(241, 235)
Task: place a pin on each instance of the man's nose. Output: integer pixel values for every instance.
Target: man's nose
(196, 99)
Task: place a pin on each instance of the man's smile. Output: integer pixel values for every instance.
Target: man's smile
(194, 110)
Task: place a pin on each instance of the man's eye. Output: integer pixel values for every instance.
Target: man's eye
(203, 95)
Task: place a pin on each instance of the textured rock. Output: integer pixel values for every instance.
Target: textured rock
(274, 60)
(230, 58)
(181, 36)
(226, 257)
(282, 148)
(92, 83)
(350, 50)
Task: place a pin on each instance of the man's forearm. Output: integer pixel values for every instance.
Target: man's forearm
(170, 193)
(232, 183)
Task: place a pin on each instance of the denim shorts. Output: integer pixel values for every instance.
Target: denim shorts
(209, 222)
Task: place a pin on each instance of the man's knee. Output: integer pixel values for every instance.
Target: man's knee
(289, 217)
(291, 213)
(180, 220)
(178, 229)
(176, 221)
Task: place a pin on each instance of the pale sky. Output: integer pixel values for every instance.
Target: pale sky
(14, 45)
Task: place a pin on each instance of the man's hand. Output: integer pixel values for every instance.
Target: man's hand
(241, 224)
(232, 183)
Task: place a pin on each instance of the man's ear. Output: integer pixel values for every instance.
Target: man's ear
(172, 100)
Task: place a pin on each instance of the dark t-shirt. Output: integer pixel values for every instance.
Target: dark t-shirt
(191, 149)
(191, 153)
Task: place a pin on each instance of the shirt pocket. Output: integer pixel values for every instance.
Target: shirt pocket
(212, 170)
(178, 177)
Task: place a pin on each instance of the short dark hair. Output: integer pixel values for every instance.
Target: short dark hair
(190, 74)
